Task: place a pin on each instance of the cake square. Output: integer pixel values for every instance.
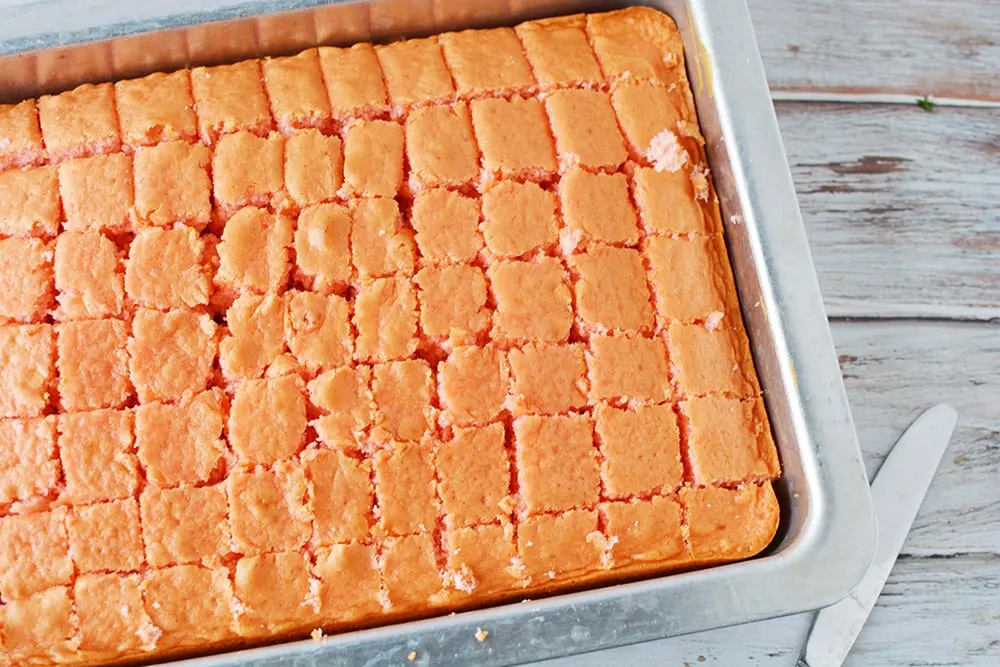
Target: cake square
(247, 170)
(254, 251)
(165, 270)
(642, 44)
(729, 523)
(691, 278)
(187, 620)
(548, 379)
(180, 442)
(482, 558)
(440, 146)
(105, 536)
(189, 524)
(728, 440)
(349, 581)
(410, 573)
(19, 125)
(556, 462)
(257, 336)
(353, 80)
(414, 71)
(25, 279)
(93, 364)
(611, 290)
(560, 545)
(172, 184)
(230, 98)
(34, 554)
(267, 420)
(97, 193)
(343, 497)
(558, 51)
(711, 361)
(29, 202)
(28, 462)
(344, 398)
(385, 317)
(111, 613)
(79, 122)
(514, 138)
(314, 166)
(27, 369)
(405, 489)
(485, 60)
(649, 117)
(644, 530)
(156, 108)
(402, 393)
(295, 88)
(446, 225)
(533, 301)
(365, 140)
(596, 207)
(624, 368)
(322, 250)
(268, 509)
(380, 242)
(318, 330)
(585, 129)
(453, 302)
(39, 626)
(97, 455)
(641, 450)
(88, 276)
(666, 203)
(473, 476)
(170, 354)
(518, 218)
(275, 591)
(473, 385)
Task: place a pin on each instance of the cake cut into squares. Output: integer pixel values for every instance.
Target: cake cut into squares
(691, 278)
(440, 146)
(88, 277)
(473, 385)
(111, 613)
(585, 129)
(729, 523)
(318, 330)
(485, 60)
(556, 462)
(533, 301)
(181, 442)
(322, 247)
(644, 530)
(254, 251)
(453, 302)
(518, 218)
(268, 509)
(343, 497)
(596, 207)
(29, 465)
(105, 536)
(446, 225)
(473, 475)
(728, 440)
(558, 51)
(385, 317)
(172, 184)
(410, 572)
(93, 364)
(649, 116)
(170, 354)
(711, 361)
(97, 455)
(230, 98)
(29, 202)
(350, 586)
(555, 546)
(165, 269)
(344, 397)
(405, 489)
(27, 369)
(625, 368)
(364, 174)
(482, 559)
(414, 71)
(25, 279)
(275, 591)
(257, 336)
(39, 626)
(380, 242)
(548, 379)
(666, 203)
(267, 419)
(353, 80)
(641, 450)
(19, 125)
(514, 138)
(156, 108)
(247, 170)
(402, 393)
(79, 122)
(644, 44)
(295, 88)
(97, 193)
(34, 553)
(314, 166)
(189, 524)
(611, 290)
(183, 619)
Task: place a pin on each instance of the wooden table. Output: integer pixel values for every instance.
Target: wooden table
(902, 209)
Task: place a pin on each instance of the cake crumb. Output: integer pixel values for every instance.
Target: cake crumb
(316, 634)
(699, 180)
(666, 153)
(412, 656)
(713, 320)
(481, 635)
(551, 574)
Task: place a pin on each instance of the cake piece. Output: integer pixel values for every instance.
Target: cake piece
(533, 301)
(548, 379)
(370, 177)
(97, 193)
(353, 81)
(19, 125)
(344, 398)
(254, 251)
(402, 393)
(486, 60)
(518, 218)
(29, 465)
(34, 554)
(349, 582)
(343, 496)
(40, 626)
(156, 108)
(381, 245)
(172, 184)
(611, 291)
(556, 463)
(189, 524)
(405, 489)
(275, 594)
(639, 42)
(691, 279)
(473, 476)
(414, 71)
(318, 330)
(230, 98)
(105, 536)
(453, 303)
(25, 279)
(585, 129)
(93, 364)
(482, 559)
(385, 317)
(446, 225)
(79, 122)
(642, 530)
(558, 51)
(180, 442)
(88, 277)
(267, 420)
(183, 619)
(558, 546)
(247, 170)
(29, 202)
(440, 146)
(268, 510)
(410, 573)
(666, 203)
(728, 440)
(165, 270)
(729, 523)
(472, 384)
(596, 207)
(626, 368)
(111, 614)
(296, 91)
(711, 361)
(640, 450)
(314, 166)
(27, 369)
(170, 354)
(514, 138)
(649, 115)
(257, 336)
(322, 249)
(97, 455)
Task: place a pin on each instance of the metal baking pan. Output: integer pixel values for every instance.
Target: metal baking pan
(826, 538)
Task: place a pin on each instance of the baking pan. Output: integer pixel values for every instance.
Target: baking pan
(826, 538)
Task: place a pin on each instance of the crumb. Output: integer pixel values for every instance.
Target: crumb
(412, 656)
(699, 180)
(481, 635)
(713, 320)
(316, 634)
(666, 153)
(551, 574)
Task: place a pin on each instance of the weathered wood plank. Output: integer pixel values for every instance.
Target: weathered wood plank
(948, 48)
